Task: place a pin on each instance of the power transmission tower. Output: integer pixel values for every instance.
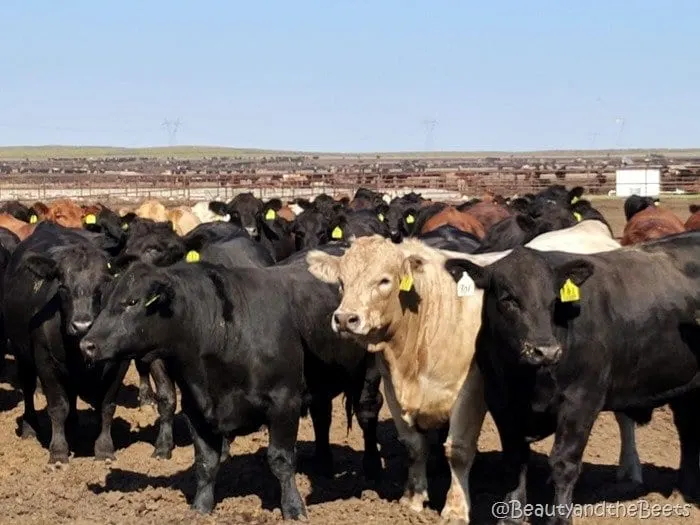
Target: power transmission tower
(172, 127)
(429, 125)
(620, 121)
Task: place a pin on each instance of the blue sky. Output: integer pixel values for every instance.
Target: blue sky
(352, 75)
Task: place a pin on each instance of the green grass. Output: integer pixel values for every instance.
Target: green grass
(198, 152)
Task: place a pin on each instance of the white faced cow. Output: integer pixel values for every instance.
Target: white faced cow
(400, 301)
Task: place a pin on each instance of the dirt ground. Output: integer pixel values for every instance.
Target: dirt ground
(139, 489)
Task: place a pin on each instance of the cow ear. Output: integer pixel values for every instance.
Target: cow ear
(42, 267)
(575, 194)
(160, 295)
(577, 270)
(479, 274)
(413, 264)
(323, 266)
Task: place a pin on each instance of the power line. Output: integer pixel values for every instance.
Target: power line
(429, 125)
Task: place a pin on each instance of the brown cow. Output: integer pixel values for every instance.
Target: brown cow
(693, 222)
(20, 228)
(651, 223)
(488, 213)
(182, 218)
(66, 213)
(462, 220)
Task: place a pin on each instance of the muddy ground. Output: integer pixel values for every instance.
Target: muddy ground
(139, 489)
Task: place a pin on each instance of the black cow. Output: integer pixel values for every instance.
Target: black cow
(400, 209)
(110, 225)
(211, 232)
(8, 239)
(244, 209)
(566, 336)
(311, 228)
(365, 199)
(447, 237)
(54, 286)
(245, 346)
(357, 224)
(17, 210)
(634, 204)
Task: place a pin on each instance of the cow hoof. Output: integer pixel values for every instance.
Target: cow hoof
(295, 512)
(415, 502)
(372, 467)
(58, 461)
(202, 507)
(147, 399)
(104, 453)
(27, 432)
(162, 453)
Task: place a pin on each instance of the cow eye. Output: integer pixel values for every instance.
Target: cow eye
(385, 282)
(508, 301)
(131, 302)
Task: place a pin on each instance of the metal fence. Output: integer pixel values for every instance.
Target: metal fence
(192, 187)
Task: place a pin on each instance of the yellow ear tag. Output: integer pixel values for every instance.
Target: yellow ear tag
(192, 256)
(406, 283)
(109, 266)
(270, 214)
(656, 203)
(578, 216)
(125, 226)
(410, 219)
(337, 233)
(90, 219)
(152, 300)
(575, 200)
(381, 217)
(569, 293)
(33, 218)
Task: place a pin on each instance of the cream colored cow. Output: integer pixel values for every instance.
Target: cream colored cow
(400, 301)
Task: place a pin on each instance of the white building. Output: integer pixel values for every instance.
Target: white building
(645, 182)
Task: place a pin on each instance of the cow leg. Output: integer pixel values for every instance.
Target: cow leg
(516, 454)
(416, 443)
(26, 370)
(58, 408)
(321, 409)
(686, 420)
(165, 393)
(630, 468)
(146, 395)
(225, 449)
(367, 407)
(466, 420)
(207, 453)
(574, 425)
(281, 456)
(111, 382)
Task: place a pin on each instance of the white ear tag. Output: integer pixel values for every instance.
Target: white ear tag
(465, 286)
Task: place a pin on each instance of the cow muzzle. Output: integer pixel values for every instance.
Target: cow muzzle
(80, 326)
(541, 354)
(252, 231)
(395, 236)
(346, 322)
(89, 350)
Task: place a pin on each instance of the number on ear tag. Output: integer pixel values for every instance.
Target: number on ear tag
(569, 293)
(192, 256)
(465, 286)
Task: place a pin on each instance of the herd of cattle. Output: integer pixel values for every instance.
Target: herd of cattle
(261, 312)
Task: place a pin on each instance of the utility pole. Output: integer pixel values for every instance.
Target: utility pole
(171, 127)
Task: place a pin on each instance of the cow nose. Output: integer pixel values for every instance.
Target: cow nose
(539, 354)
(395, 235)
(252, 231)
(82, 326)
(88, 348)
(346, 321)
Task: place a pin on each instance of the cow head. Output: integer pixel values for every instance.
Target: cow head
(83, 277)
(65, 213)
(244, 210)
(372, 276)
(523, 300)
(152, 242)
(400, 218)
(310, 229)
(135, 315)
